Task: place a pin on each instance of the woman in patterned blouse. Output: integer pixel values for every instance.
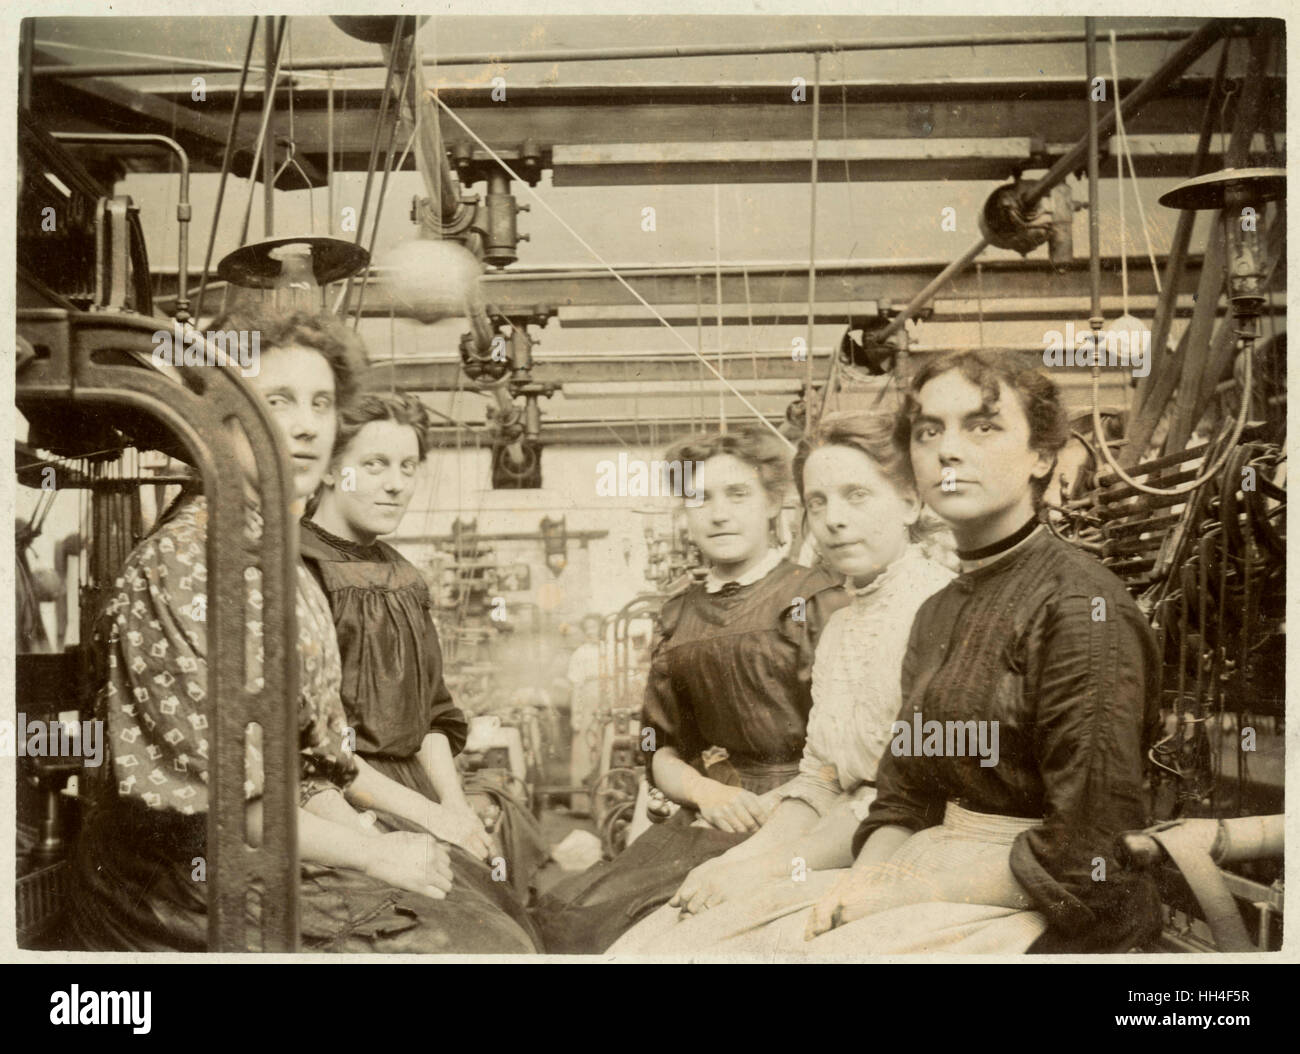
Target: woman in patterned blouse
(361, 890)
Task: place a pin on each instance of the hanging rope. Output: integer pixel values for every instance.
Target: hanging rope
(1127, 153)
(609, 267)
(717, 286)
(1247, 380)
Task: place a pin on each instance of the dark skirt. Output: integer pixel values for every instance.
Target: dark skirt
(586, 913)
(134, 891)
(521, 839)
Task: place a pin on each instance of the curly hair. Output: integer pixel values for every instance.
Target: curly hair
(1040, 399)
(321, 332)
(401, 408)
(871, 434)
(760, 450)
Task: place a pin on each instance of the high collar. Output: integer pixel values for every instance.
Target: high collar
(714, 584)
(1005, 558)
(910, 557)
(360, 550)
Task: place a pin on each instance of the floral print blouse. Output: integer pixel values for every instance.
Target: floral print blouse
(156, 691)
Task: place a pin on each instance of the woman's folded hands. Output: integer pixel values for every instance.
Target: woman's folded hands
(415, 862)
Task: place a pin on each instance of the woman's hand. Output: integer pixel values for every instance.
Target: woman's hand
(410, 861)
(716, 881)
(849, 900)
(731, 809)
(462, 827)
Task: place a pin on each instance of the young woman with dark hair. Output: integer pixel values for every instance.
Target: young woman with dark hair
(406, 724)
(731, 671)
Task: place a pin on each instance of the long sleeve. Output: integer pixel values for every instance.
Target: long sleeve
(1097, 688)
(665, 710)
(445, 716)
(904, 797)
(156, 692)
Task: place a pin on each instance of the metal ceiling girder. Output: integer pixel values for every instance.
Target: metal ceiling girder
(739, 367)
(841, 160)
(701, 113)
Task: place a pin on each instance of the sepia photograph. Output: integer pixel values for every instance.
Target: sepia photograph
(685, 485)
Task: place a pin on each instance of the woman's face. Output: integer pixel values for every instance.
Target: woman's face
(373, 479)
(973, 465)
(857, 515)
(298, 385)
(728, 516)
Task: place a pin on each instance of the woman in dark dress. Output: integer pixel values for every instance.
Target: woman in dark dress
(731, 672)
(398, 706)
(361, 890)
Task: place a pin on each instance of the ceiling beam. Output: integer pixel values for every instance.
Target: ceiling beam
(639, 370)
(105, 106)
(853, 160)
(863, 284)
(1042, 109)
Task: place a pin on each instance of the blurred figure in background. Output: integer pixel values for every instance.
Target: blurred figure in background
(584, 704)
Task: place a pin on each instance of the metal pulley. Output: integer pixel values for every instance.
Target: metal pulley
(1006, 222)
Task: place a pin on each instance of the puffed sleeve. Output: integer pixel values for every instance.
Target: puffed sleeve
(1098, 688)
(904, 795)
(665, 710)
(445, 716)
(803, 621)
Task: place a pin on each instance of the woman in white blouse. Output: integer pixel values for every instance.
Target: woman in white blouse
(864, 514)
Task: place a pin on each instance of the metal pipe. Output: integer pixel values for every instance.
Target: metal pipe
(227, 155)
(26, 48)
(274, 40)
(1094, 177)
(1177, 63)
(329, 153)
(812, 242)
(183, 210)
(663, 51)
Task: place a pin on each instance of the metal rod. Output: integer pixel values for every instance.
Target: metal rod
(1177, 63)
(812, 242)
(1174, 264)
(329, 151)
(374, 153)
(26, 49)
(273, 42)
(227, 156)
(664, 51)
(183, 210)
(1094, 177)
(268, 104)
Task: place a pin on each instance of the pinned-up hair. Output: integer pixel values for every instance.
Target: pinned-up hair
(321, 332)
(401, 408)
(760, 450)
(871, 434)
(1040, 399)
